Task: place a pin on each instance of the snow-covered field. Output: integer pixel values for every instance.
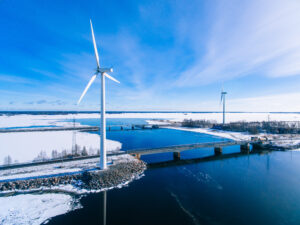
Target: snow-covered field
(26, 120)
(25, 146)
(34, 208)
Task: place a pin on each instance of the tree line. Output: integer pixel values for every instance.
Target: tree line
(272, 127)
(42, 155)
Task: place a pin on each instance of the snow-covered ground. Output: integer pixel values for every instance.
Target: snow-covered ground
(158, 122)
(25, 146)
(30, 208)
(286, 143)
(25, 120)
(225, 134)
(34, 208)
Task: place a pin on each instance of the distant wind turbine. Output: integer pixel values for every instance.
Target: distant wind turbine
(103, 73)
(223, 93)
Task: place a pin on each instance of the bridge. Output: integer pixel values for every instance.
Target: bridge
(83, 128)
(137, 153)
(176, 149)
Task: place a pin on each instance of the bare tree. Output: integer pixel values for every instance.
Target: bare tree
(91, 151)
(42, 156)
(64, 153)
(54, 154)
(84, 152)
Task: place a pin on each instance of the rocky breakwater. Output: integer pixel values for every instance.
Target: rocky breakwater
(115, 175)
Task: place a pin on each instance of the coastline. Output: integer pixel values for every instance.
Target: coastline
(118, 174)
(26, 120)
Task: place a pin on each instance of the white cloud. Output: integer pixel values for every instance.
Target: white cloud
(247, 37)
(272, 103)
(15, 79)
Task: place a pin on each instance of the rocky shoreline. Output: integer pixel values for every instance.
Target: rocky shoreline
(117, 174)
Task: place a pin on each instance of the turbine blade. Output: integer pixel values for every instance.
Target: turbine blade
(221, 94)
(95, 46)
(110, 77)
(86, 88)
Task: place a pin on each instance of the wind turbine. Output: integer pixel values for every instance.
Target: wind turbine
(223, 93)
(103, 73)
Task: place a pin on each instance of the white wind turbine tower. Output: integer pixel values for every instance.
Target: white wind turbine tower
(103, 73)
(223, 93)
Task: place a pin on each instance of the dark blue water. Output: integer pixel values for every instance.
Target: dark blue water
(255, 188)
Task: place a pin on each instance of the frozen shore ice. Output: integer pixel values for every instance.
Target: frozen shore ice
(34, 208)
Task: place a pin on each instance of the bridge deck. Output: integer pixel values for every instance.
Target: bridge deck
(146, 151)
(179, 148)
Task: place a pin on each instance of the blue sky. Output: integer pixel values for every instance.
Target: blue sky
(168, 55)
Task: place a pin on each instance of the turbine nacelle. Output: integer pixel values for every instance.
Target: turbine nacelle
(105, 70)
(223, 93)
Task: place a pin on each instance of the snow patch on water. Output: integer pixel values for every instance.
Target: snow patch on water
(201, 178)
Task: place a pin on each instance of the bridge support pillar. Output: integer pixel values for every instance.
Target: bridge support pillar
(176, 155)
(132, 127)
(137, 156)
(245, 148)
(121, 127)
(218, 150)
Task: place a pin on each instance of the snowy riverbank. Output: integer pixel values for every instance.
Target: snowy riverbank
(27, 207)
(237, 136)
(280, 142)
(74, 177)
